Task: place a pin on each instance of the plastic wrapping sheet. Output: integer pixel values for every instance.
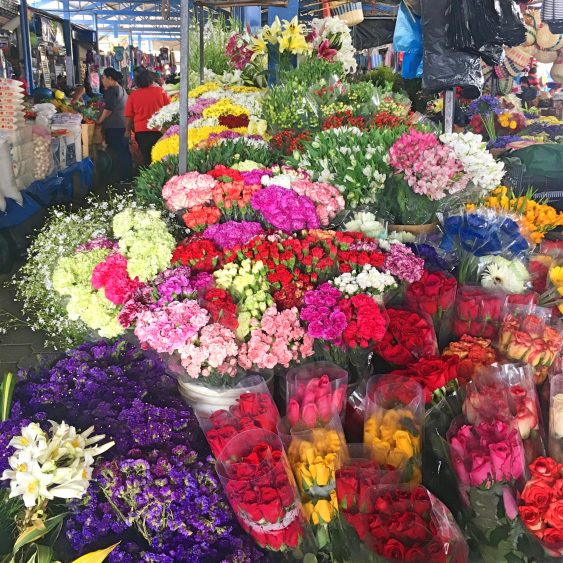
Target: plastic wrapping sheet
(373, 33)
(445, 68)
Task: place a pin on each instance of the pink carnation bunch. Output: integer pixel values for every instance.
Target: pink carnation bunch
(188, 190)
(213, 351)
(402, 263)
(327, 199)
(168, 328)
(278, 338)
(112, 276)
(430, 167)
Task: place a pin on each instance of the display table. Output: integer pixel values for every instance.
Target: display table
(64, 186)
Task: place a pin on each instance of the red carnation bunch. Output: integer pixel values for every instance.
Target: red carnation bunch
(221, 307)
(234, 121)
(366, 322)
(197, 253)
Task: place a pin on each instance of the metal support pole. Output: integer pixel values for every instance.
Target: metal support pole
(67, 32)
(184, 83)
(201, 43)
(96, 30)
(26, 46)
(449, 111)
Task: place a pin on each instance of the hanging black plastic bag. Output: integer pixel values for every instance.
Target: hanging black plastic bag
(484, 23)
(492, 55)
(460, 36)
(444, 67)
(512, 29)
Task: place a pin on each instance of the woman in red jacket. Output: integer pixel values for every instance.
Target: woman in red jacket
(141, 105)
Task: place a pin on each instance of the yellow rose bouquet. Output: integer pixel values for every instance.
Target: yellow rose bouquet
(393, 424)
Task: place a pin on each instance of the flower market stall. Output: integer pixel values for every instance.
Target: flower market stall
(336, 337)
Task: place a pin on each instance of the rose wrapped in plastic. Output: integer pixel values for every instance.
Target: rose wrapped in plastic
(393, 424)
(556, 418)
(261, 489)
(478, 312)
(489, 461)
(409, 336)
(315, 392)
(473, 353)
(434, 295)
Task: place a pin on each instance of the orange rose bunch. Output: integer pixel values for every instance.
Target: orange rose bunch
(474, 353)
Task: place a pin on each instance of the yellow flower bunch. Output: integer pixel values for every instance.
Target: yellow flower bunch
(505, 120)
(536, 218)
(289, 36)
(315, 459)
(321, 511)
(166, 147)
(389, 435)
(224, 107)
(240, 89)
(556, 278)
(204, 88)
(550, 120)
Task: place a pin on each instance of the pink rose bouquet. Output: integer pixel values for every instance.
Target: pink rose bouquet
(488, 459)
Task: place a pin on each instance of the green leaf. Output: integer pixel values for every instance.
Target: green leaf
(44, 554)
(499, 534)
(6, 394)
(40, 529)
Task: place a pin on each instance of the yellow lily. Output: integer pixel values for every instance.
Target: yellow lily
(271, 33)
(258, 46)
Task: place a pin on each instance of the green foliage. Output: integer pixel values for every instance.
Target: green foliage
(383, 77)
(6, 393)
(216, 36)
(313, 71)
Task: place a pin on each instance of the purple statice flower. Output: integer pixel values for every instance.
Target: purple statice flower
(285, 210)
(96, 243)
(502, 141)
(402, 263)
(173, 130)
(324, 318)
(156, 491)
(485, 105)
(232, 233)
(255, 176)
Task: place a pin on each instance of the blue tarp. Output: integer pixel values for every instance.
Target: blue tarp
(58, 188)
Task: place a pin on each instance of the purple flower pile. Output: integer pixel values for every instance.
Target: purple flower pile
(285, 209)
(157, 491)
(232, 233)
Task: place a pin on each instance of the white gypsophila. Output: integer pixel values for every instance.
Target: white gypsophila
(511, 276)
(365, 222)
(369, 280)
(469, 148)
(58, 465)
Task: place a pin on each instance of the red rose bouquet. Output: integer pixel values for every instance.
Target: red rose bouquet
(315, 391)
(434, 295)
(474, 353)
(409, 336)
(260, 487)
(434, 374)
(488, 460)
(402, 523)
(247, 407)
(541, 505)
(477, 311)
(393, 424)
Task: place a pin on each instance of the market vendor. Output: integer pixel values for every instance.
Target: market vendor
(142, 103)
(112, 121)
(529, 93)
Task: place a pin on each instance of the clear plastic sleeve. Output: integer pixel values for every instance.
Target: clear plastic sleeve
(556, 418)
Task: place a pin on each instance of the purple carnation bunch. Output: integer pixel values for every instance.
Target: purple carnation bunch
(324, 318)
(96, 243)
(232, 233)
(285, 209)
(158, 475)
(179, 282)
